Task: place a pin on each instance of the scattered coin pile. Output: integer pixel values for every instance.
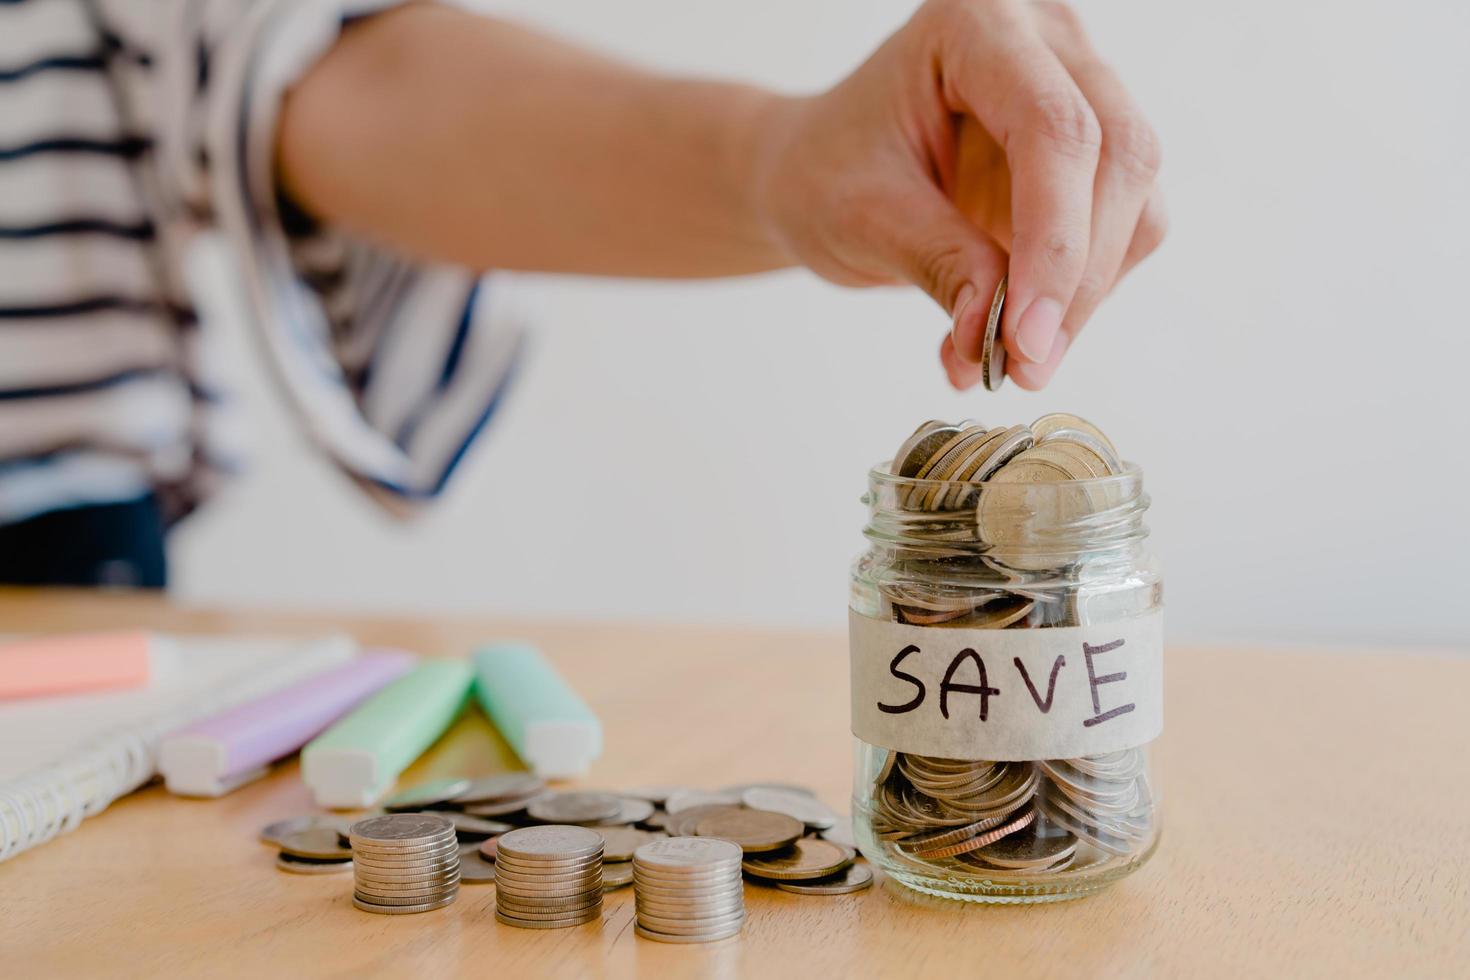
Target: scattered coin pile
(688, 889)
(548, 877)
(404, 863)
(1006, 819)
(552, 855)
(311, 845)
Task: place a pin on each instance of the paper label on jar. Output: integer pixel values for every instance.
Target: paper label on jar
(1007, 694)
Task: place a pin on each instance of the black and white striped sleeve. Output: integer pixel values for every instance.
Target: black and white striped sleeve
(393, 366)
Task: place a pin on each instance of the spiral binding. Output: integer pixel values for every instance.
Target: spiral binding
(54, 800)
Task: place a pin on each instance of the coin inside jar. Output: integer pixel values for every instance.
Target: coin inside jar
(1042, 533)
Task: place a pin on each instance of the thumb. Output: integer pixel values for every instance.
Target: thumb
(936, 248)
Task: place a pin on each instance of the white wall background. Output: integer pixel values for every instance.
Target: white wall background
(1291, 369)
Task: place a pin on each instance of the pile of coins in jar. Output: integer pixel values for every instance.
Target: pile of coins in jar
(1002, 820)
(552, 855)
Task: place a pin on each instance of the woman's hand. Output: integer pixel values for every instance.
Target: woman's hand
(985, 136)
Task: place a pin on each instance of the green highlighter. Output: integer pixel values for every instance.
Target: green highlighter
(356, 760)
(553, 731)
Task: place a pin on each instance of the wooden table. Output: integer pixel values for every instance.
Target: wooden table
(1317, 808)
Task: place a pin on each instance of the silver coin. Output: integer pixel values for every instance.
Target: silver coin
(322, 843)
(500, 788)
(854, 879)
(682, 881)
(438, 855)
(617, 875)
(575, 808)
(1017, 440)
(548, 872)
(685, 896)
(502, 808)
(517, 876)
(447, 844)
(406, 872)
(406, 887)
(520, 904)
(681, 854)
(401, 829)
(560, 889)
(739, 788)
(541, 843)
(389, 901)
(687, 910)
(918, 448)
(691, 927)
(307, 866)
(619, 843)
(711, 937)
(653, 794)
(514, 873)
(992, 350)
(470, 827)
(519, 886)
(400, 871)
(592, 915)
(370, 886)
(632, 810)
(549, 899)
(687, 916)
(402, 909)
(510, 905)
(272, 833)
(685, 799)
(686, 879)
(682, 824)
(426, 794)
(808, 809)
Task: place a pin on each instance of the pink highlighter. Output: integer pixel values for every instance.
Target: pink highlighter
(74, 662)
(219, 754)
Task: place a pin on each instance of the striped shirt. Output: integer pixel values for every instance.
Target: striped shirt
(139, 216)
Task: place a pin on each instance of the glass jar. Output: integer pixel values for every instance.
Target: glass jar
(1006, 643)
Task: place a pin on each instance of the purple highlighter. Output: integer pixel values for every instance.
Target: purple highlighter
(219, 754)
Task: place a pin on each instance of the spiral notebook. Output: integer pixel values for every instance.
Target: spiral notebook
(65, 758)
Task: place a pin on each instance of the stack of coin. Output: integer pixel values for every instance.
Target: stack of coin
(766, 820)
(548, 877)
(404, 862)
(688, 890)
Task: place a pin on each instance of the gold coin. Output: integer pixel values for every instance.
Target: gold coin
(918, 448)
(854, 879)
(979, 840)
(992, 350)
(1049, 424)
(756, 831)
(809, 857)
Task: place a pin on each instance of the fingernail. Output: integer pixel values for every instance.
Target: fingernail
(966, 345)
(1038, 329)
(1034, 377)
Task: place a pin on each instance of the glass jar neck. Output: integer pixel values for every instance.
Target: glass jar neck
(1025, 526)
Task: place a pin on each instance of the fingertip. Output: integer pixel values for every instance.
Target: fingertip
(1035, 377)
(966, 332)
(962, 375)
(1033, 334)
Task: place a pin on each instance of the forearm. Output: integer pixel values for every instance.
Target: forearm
(473, 140)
